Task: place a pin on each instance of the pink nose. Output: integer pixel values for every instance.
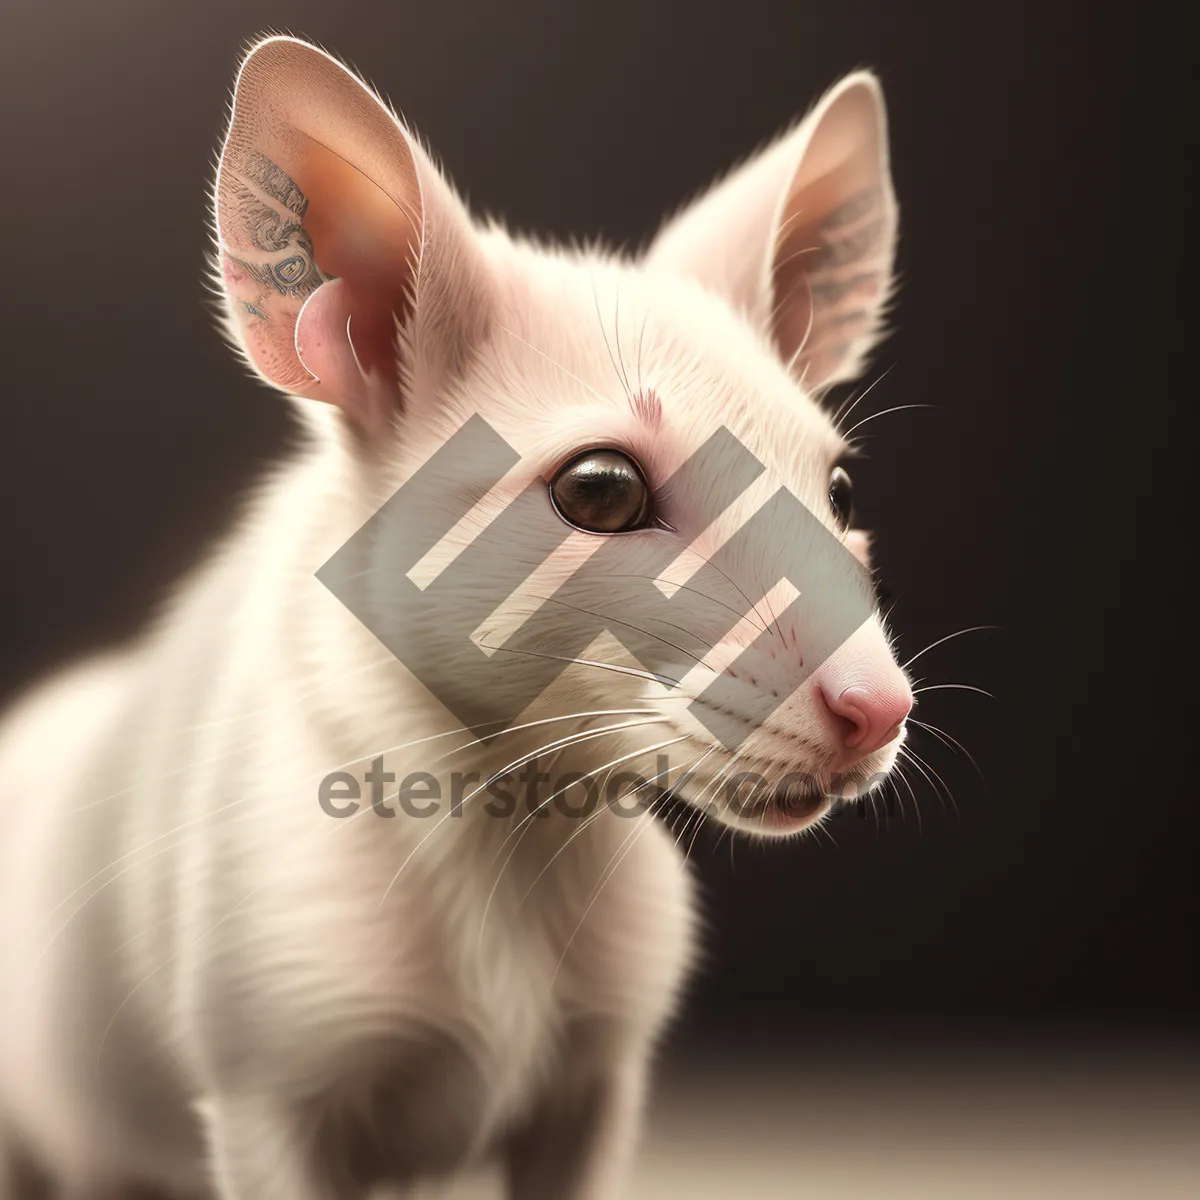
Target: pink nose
(868, 718)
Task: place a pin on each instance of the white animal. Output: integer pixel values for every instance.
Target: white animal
(211, 987)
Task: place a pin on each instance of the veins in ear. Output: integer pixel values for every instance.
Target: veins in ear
(851, 211)
(275, 182)
(852, 233)
(269, 209)
(841, 273)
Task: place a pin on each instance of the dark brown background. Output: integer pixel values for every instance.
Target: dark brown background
(1039, 154)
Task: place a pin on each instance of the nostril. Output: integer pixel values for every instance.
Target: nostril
(851, 706)
(845, 718)
(867, 720)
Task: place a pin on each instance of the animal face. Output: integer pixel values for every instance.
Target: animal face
(638, 416)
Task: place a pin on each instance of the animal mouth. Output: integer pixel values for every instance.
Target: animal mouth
(797, 801)
(759, 792)
(787, 805)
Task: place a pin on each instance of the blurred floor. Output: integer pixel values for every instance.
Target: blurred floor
(1089, 1117)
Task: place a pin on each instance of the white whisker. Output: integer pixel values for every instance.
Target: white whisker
(887, 411)
(959, 687)
(574, 740)
(524, 824)
(594, 816)
(947, 638)
(554, 363)
(841, 416)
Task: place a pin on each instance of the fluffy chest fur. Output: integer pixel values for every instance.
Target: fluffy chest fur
(414, 986)
(215, 984)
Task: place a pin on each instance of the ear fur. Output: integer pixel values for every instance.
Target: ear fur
(335, 233)
(801, 238)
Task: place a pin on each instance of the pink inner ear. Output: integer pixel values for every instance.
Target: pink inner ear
(325, 210)
(345, 338)
(346, 332)
(320, 215)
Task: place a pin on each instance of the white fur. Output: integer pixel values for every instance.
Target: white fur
(191, 950)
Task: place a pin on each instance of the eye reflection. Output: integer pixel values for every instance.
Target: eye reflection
(602, 491)
(841, 497)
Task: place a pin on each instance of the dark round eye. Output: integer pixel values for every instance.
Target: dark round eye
(841, 497)
(602, 491)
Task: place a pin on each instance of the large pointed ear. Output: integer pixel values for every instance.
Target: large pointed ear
(801, 238)
(349, 266)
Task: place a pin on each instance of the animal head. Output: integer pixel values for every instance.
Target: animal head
(637, 416)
